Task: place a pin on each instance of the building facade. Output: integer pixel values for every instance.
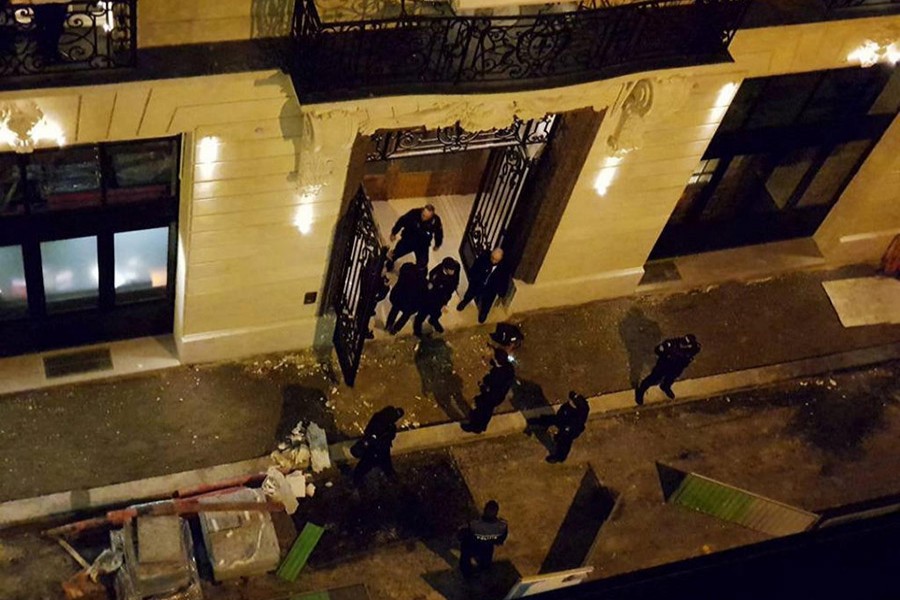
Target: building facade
(227, 180)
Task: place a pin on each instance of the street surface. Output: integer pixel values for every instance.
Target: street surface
(813, 443)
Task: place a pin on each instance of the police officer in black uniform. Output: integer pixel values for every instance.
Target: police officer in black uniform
(569, 422)
(493, 389)
(673, 357)
(374, 449)
(479, 538)
(488, 279)
(419, 227)
(442, 283)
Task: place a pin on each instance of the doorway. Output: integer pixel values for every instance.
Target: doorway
(474, 180)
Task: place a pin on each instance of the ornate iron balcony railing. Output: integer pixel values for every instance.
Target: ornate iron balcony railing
(38, 39)
(415, 53)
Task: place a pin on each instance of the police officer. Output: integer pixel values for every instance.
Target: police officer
(673, 357)
(407, 296)
(374, 449)
(442, 283)
(493, 389)
(569, 421)
(419, 227)
(479, 538)
(488, 278)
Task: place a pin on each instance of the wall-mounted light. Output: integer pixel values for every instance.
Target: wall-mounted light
(870, 53)
(607, 174)
(208, 150)
(23, 125)
(303, 216)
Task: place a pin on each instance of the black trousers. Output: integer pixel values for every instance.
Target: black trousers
(50, 23)
(562, 441)
(433, 314)
(472, 556)
(373, 461)
(395, 324)
(485, 301)
(405, 247)
(480, 416)
(663, 374)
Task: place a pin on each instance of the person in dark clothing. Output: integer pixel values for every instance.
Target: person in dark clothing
(50, 23)
(442, 283)
(493, 389)
(479, 537)
(673, 357)
(381, 292)
(488, 279)
(374, 449)
(407, 296)
(569, 421)
(419, 226)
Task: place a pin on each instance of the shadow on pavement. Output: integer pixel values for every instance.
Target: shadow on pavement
(300, 402)
(591, 507)
(493, 584)
(434, 361)
(429, 501)
(529, 396)
(640, 335)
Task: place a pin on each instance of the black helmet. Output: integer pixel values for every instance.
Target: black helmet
(507, 334)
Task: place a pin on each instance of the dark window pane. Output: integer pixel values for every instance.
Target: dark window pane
(65, 179)
(833, 174)
(141, 171)
(11, 186)
(71, 272)
(13, 293)
(142, 263)
(888, 102)
(741, 183)
(788, 174)
(783, 99)
(742, 104)
(843, 94)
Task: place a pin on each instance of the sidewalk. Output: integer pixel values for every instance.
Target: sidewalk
(185, 418)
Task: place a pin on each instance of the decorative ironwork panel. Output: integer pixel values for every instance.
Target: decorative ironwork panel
(419, 141)
(412, 52)
(359, 275)
(61, 38)
(842, 7)
(501, 186)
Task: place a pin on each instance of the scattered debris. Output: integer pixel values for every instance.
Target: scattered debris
(318, 445)
(277, 487)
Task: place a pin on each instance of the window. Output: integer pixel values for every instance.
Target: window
(834, 173)
(141, 264)
(65, 179)
(141, 170)
(13, 292)
(71, 273)
(11, 188)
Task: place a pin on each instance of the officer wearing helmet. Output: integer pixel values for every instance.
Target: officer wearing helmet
(673, 357)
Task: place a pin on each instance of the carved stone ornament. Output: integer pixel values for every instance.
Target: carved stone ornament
(645, 101)
(19, 125)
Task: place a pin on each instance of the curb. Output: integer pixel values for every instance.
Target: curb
(28, 510)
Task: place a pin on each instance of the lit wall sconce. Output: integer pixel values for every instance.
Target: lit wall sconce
(303, 217)
(23, 125)
(871, 53)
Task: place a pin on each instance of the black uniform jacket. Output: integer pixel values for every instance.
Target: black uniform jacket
(419, 231)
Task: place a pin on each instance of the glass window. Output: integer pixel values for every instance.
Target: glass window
(782, 101)
(71, 273)
(11, 193)
(13, 293)
(789, 173)
(834, 173)
(844, 93)
(141, 171)
(142, 263)
(65, 179)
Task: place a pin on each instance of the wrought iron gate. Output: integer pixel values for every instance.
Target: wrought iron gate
(501, 185)
(359, 274)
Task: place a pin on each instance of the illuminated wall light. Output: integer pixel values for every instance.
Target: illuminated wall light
(303, 219)
(870, 53)
(726, 94)
(607, 174)
(23, 126)
(208, 150)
